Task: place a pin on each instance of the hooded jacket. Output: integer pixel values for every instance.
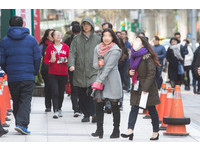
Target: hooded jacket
(20, 55)
(57, 68)
(81, 57)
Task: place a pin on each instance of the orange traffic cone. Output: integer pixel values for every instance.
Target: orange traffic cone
(7, 94)
(163, 97)
(176, 121)
(2, 105)
(168, 105)
(157, 106)
(6, 97)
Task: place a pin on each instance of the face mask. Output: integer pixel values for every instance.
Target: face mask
(136, 46)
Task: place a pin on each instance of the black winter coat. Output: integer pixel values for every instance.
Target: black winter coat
(173, 65)
(196, 63)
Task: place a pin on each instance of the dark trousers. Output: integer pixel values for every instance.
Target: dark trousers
(1, 128)
(87, 104)
(57, 84)
(153, 113)
(158, 77)
(196, 82)
(187, 76)
(126, 77)
(47, 90)
(21, 93)
(74, 94)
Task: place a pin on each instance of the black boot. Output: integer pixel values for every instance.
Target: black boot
(116, 120)
(99, 118)
(2, 131)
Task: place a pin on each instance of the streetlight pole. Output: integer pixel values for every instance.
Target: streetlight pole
(194, 33)
(142, 20)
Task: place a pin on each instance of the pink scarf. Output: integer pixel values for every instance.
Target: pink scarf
(103, 49)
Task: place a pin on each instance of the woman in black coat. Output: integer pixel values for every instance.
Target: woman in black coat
(121, 66)
(45, 41)
(174, 57)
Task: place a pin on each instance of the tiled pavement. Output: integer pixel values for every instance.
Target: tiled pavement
(69, 129)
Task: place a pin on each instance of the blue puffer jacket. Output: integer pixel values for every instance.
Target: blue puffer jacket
(20, 55)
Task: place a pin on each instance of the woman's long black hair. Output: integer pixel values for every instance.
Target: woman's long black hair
(146, 44)
(123, 48)
(115, 39)
(46, 34)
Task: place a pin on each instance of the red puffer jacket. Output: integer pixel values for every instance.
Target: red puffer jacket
(57, 68)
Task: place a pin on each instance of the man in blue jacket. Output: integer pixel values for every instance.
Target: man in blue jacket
(161, 53)
(20, 59)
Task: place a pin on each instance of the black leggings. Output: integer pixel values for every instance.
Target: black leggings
(187, 75)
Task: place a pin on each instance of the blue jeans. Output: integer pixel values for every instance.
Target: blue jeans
(153, 113)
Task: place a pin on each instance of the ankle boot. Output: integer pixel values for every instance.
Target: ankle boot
(116, 120)
(99, 118)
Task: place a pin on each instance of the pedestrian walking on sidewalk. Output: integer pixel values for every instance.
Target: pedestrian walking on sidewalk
(196, 71)
(20, 59)
(183, 45)
(161, 53)
(109, 76)
(46, 40)
(76, 29)
(124, 36)
(143, 64)
(121, 66)
(80, 62)
(175, 59)
(56, 57)
(187, 65)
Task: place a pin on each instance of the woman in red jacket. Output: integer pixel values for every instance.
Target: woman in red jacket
(56, 57)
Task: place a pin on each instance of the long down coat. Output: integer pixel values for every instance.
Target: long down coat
(146, 75)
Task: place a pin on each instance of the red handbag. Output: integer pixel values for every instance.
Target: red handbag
(68, 88)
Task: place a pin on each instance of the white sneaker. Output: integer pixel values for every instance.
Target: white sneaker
(55, 115)
(60, 113)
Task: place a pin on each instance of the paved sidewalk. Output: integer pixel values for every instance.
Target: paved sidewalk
(69, 129)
